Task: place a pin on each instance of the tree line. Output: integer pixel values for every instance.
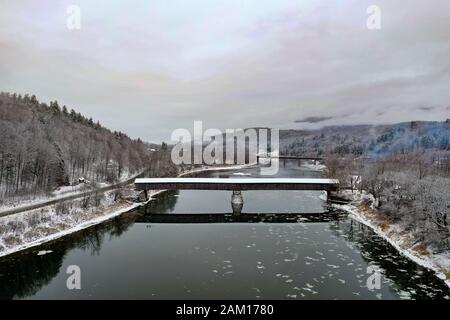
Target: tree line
(43, 146)
(367, 140)
(409, 188)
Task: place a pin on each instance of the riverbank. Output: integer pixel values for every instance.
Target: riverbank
(32, 228)
(62, 194)
(361, 209)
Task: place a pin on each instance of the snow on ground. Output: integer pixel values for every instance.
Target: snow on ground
(323, 196)
(69, 189)
(314, 167)
(32, 228)
(24, 202)
(396, 235)
(61, 192)
(222, 168)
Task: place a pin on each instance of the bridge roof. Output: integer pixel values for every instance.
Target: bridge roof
(236, 183)
(238, 180)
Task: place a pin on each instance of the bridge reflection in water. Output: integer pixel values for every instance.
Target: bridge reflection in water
(180, 218)
(160, 211)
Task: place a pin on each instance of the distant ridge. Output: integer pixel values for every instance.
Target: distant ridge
(369, 140)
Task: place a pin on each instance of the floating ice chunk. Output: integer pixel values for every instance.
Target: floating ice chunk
(257, 290)
(43, 252)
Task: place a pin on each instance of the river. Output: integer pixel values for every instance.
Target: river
(188, 245)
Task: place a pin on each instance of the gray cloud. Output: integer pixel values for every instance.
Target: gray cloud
(147, 71)
(313, 119)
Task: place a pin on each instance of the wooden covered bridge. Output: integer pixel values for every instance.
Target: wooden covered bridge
(237, 185)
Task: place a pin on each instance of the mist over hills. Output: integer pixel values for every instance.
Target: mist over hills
(371, 141)
(368, 140)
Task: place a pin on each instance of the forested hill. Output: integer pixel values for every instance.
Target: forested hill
(44, 146)
(368, 140)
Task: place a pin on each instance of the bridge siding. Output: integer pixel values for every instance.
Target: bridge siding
(236, 186)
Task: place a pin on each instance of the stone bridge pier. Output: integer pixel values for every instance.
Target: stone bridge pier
(237, 202)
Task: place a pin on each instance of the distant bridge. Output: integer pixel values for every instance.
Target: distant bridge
(284, 158)
(237, 185)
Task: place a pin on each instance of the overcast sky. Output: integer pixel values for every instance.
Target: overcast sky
(147, 67)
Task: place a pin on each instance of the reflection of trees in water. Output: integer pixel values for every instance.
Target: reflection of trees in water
(405, 274)
(164, 202)
(25, 273)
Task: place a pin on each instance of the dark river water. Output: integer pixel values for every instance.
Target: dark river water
(189, 245)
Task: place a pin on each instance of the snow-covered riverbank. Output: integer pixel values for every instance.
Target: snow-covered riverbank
(32, 228)
(29, 202)
(50, 230)
(397, 235)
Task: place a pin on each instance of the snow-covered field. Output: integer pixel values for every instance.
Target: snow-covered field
(32, 228)
(314, 167)
(61, 192)
(396, 235)
(206, 168)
